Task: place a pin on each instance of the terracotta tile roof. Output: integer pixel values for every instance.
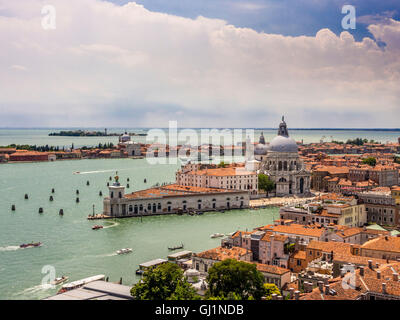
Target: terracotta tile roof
(271, 269)
(384, 243)
(221, 172)
(300, 255)
(277, 237)
(296, 229)
(328, 247)
(349, 232)
(174, 190)
(220, 253)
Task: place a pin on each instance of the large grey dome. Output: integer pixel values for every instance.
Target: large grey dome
(283, 144)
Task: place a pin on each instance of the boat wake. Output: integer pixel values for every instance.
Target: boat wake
(114, 224)
(38, 288)
(9, 248)
(98, 171)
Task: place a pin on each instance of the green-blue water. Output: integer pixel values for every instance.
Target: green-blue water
(69, 243)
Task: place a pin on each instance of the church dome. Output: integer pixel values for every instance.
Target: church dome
(260, 149)
(283, 144)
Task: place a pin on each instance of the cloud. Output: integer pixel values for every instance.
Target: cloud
(109, 65)
(379, 18)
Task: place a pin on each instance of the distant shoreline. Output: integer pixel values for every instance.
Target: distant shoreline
(181, 128)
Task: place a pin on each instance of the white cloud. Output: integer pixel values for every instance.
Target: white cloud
(111, 65)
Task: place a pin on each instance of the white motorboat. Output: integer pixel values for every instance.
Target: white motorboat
(59, 280)
(216, 235)
(124, 251)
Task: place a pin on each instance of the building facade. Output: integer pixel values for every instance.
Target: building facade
(280, 160)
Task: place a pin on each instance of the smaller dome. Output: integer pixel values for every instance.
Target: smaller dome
(260, 149)
(125, 137)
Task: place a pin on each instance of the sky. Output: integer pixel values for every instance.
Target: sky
(204, 63)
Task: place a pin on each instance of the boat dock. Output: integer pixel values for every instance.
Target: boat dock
(99, 216)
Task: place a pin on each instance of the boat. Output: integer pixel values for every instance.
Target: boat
(30, 245)
(216, 235)
(139, 272)
(124, 251)
(80, 283)
(176, 247)
(95, 227)
(59, 280)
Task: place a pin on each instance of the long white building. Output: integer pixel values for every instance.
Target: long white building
(170, 199)
(230, 178)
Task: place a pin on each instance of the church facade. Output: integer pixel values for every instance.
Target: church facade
(280, 160)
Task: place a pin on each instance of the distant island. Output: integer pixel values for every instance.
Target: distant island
(84, 133)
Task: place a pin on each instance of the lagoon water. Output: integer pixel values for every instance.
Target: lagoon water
(69, 243)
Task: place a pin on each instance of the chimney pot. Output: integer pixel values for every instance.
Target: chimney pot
(297, 295)
(280, 298)
(291, 293)
(378, 274)
(370, 264)
(362, 271)
(274, 295)
(395, 276)
(327, 289)
(384, 287)
(321, 286)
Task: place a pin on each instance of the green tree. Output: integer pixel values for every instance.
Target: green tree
(371, 161)
(265, 183)
(165, 282)
(222, 164)
(270, 289)
(235, 279)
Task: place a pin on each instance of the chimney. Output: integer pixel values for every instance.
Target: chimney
(291, 293)
(378, 274)
(274, 295)
(395, 276)
(377, 265)
(327, 289)
(342, 272)
(297, 295)
(370, 264)
(362, 271)
(280, 298)
(305, 286)
(321, 286)
(384, 288)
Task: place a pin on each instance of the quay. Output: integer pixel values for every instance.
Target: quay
(99, 216)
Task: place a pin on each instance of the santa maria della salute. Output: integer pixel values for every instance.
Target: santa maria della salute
(280, 160)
